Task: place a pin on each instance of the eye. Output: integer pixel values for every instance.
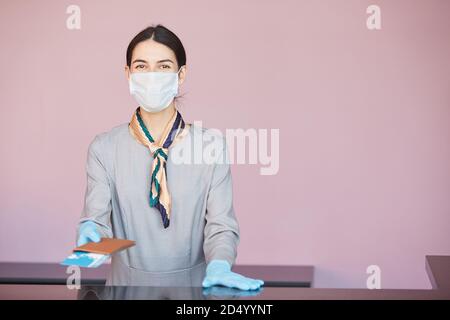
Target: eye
(165, 66)
(140, 66)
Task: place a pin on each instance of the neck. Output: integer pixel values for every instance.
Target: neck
(156, 122)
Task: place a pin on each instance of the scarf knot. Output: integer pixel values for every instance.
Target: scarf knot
(161, 152)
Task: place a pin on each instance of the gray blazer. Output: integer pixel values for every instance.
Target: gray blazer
(203, 224)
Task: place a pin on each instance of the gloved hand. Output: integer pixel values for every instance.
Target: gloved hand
(218, 272)
(88, 233)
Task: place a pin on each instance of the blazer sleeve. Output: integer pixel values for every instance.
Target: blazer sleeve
(221, 233)
(97, 199)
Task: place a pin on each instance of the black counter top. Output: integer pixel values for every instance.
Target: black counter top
(54, 273)
(50, 292)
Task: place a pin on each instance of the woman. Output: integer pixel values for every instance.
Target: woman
(180, 214)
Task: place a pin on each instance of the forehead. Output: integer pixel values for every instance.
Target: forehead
(152, 51)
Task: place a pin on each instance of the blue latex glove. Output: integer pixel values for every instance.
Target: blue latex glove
(218, 272)
(221, 292)
(88, 233)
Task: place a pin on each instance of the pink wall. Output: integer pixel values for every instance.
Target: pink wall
(364, 119)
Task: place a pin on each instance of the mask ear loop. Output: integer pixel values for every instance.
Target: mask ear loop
(178, 74)
(179, 69)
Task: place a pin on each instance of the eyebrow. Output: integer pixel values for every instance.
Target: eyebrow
(164, 60)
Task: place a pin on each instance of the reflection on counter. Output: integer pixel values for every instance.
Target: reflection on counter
(163, 293)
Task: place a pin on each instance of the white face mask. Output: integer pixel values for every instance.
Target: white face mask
(154, 91)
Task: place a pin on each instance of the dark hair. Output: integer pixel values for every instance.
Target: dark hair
(162, 35)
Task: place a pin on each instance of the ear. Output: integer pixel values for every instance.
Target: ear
(182, 75)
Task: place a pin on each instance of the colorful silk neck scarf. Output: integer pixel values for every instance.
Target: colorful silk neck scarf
(174, 131)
